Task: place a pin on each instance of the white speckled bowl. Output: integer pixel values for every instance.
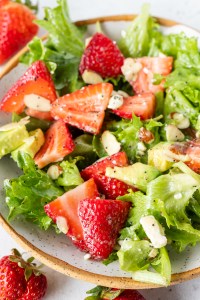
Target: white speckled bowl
(57, 251)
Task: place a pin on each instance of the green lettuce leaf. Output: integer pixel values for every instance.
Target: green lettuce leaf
(127, 133)
(84, 148)
(162, 265)
(120, 83)
(27, 194)
(140, 207)
(98, 146)
(170, 196)
(175, 101)
(136, 40)
(70, 178)
(64, 36)
(134, 255)
(33, 123)
(190, 59)
(172, 44)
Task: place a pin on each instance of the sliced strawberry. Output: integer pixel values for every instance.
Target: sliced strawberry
(119, 159)
(36, 80)
(84, 108)
(38, 114)
(101, 221)
(110, 187)
(151, 66)
(16, 28)
(66, 206)
(142, 105)
(58, 144)
(3, 2)
(102, 56)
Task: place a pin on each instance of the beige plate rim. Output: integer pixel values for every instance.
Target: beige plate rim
(60, 265)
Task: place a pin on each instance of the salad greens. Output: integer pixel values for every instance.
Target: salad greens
(136, 40)
(28, 193)
(62, 50)
(127, 133)
(171, 193)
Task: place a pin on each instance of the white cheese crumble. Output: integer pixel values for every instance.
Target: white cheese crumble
(181, 120)
(131, 68)
(173, 134)
(115, 101)
(87, 256)
(154, 231)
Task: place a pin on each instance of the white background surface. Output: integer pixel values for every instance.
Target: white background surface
(185, 11)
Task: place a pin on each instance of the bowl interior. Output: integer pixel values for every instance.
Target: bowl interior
(60, 246)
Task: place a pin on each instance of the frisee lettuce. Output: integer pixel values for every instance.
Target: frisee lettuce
(27, 194)
(70, 176)
(127, 133)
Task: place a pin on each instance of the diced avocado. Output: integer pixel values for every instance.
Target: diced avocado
(137, 174)
(12, 136)
(157, 157)
(31, 145)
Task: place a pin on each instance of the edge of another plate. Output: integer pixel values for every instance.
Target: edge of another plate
(58, 264)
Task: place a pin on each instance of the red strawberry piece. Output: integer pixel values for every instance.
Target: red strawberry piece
(16, 28)
(119, 159)
(151, 66)
(102, 56)
(36, 80)
(66, 206)
(20, 279)
(110, 187)
(84, 108)
(12, 280)
(142, 105)
(3, 2)
(58, 144)
(36, 288)
(101, 222)
(128, 295)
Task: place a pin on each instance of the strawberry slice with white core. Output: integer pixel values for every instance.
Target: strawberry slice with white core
(84, 108)
(36, 80)
(64, 210)
(150, 66)
(58, 144)
(142, 105)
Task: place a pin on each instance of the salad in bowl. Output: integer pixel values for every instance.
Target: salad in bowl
(107, 137)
